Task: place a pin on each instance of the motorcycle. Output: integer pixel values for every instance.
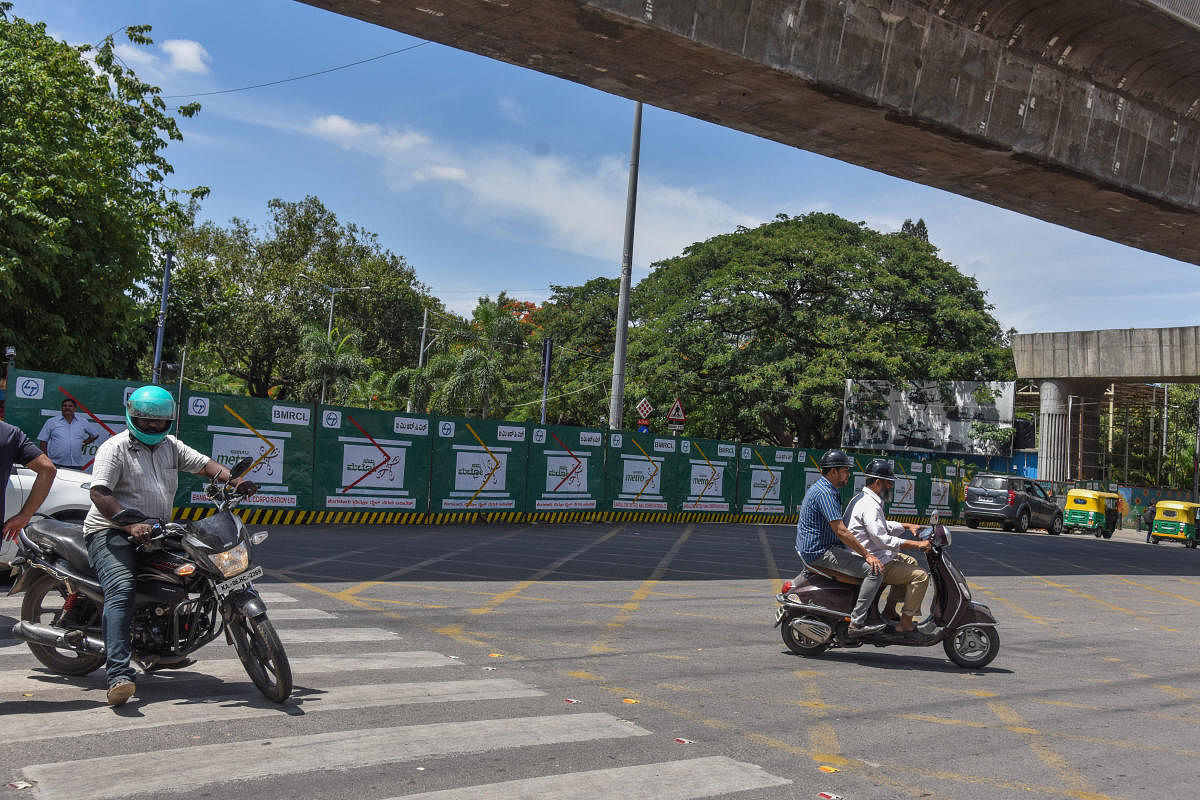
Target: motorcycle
(193, 583)
(814, 612)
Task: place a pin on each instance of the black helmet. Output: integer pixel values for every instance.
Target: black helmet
(880, 469)
(834, 459)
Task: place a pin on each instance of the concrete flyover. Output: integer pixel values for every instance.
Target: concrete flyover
(1074, 368)
(1082, 112)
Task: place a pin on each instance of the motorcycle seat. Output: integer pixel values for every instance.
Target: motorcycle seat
(66, 538)
(832, 576)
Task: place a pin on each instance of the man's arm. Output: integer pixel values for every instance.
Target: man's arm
(106, 504)
(854, 544)
(214, 470)
(46, 471)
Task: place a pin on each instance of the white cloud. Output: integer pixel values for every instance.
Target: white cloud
(136, 57)
(186, 56)
(441, 173)
(367, 138)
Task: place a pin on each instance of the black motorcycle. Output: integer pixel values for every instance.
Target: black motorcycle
(193, 582)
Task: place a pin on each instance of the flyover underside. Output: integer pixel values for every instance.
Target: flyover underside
(1010, 108)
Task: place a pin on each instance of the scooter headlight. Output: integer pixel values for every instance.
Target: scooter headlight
(233, 561)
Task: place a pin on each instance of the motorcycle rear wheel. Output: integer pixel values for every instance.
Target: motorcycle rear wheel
(35, 608)
(262, 655)
(800, 644)
(972, 646)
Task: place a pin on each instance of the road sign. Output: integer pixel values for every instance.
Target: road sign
(644, 408)
(643, 429)
(676, 414)
(643, 422)
(674, 426)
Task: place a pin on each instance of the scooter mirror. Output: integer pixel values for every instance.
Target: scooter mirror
(240, 468)
(128, 516)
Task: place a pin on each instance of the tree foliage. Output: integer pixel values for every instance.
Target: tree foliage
(82, 197)
(760, 328)
(242, 300)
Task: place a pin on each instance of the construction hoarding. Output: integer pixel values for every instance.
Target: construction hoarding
(479, 466)
(642, 475)
(372, 462)
(35, 397)
(769, 483)
(566, 473)
(276, 436)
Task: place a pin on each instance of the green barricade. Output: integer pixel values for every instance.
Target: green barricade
(35, 397)
(566, 473)
(708, 481)
(769, 483)
(641, 476)
(372, 465)
(277, 436)
(479, 466)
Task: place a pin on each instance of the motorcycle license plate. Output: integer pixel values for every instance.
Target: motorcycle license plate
(239, 582)
(779, 612)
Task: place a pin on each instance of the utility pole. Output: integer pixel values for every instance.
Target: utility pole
(162, 318)
(547, 351)
(420, 356)
(333, 290)
(618, 379)
(1196, 457)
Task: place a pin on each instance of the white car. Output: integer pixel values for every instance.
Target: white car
(68, 499)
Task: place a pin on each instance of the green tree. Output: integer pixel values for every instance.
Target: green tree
(82, 199)
(330, 362)
(240, 302)
(759, 329)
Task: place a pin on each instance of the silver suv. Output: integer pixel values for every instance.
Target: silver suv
(1016, 502)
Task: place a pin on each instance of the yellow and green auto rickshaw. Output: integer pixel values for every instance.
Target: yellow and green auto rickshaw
(1175, 519)
(1097, 513)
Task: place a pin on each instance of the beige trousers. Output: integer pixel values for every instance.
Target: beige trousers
(909, 583)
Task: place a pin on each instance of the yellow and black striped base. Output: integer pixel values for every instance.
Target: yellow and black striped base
(283, 516)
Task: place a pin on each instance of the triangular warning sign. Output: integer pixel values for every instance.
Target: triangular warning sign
(676, 414)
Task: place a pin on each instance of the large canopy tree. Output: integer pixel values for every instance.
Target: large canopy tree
(760, 328)
(82, 197)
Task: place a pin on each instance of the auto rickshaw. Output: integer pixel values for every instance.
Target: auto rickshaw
(1097, 513)
(1176, 519)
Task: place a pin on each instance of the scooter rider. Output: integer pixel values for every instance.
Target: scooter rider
(823, 540)
(866, 520)
(138, 468)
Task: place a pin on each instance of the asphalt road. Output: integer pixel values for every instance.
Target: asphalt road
(439, 662)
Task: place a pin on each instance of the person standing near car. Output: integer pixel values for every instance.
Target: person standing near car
(16, 448)
(64, 437)
(136, 469)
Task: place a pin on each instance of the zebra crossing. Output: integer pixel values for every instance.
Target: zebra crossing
(70, 712)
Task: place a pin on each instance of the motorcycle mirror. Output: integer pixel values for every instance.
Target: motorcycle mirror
(128, 516)
(240, 468)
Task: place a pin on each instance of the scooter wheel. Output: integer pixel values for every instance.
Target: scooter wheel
(972, 646)
(798, 643)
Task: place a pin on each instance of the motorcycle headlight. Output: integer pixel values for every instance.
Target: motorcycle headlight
(232, 561)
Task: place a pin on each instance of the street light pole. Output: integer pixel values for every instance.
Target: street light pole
(333, 290)
(162, 318)
(617, 400)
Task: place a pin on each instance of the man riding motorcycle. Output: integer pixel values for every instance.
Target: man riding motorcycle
(823, 540)
(866, 520)
(138, 468)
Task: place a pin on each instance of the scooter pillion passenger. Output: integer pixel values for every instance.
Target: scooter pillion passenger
(815, 610)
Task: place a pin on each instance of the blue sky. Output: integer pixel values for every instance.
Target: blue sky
(488, 177)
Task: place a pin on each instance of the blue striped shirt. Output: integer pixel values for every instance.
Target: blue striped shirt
(814, 533)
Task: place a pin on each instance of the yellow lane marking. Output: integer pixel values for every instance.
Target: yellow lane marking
(1160, 591)
(867, 769)
(1106, 604)
(1042, 749)
(629, 608)
(544, 572)
(821, 734)
(1029, 615)
(396, 573)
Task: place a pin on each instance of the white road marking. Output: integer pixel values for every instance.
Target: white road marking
(203, 765)
(42, 682)
(182, 711)
(674, 780)
(276, 597)
(328, 635)
(298, 613)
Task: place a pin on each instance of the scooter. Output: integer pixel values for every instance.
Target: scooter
(814, 612)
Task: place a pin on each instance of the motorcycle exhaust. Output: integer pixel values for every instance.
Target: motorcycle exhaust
(812, 629)
(50, 636)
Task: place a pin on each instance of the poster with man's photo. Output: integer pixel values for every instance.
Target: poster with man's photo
(970, 417)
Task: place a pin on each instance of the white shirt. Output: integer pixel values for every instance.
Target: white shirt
(141, 477)
(865, 519)
(64, 440)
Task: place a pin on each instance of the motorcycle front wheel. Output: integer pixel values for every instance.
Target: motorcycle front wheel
(43, 604)
(262, 655)
(972, 646)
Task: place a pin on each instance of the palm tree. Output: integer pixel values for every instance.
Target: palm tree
(328, 362)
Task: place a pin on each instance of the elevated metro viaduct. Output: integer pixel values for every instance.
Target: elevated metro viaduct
(1080, 112)
(1073, 370)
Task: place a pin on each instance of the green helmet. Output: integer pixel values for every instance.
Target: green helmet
(146, 410)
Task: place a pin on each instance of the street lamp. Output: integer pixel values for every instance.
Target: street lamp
(333, 290)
